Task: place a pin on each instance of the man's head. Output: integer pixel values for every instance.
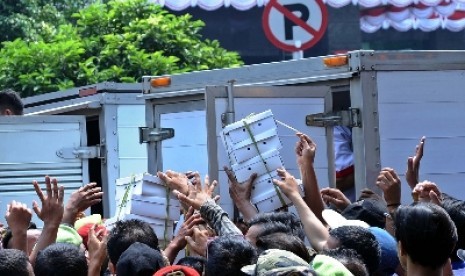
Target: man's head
(196, 262)
(228, 254)
(369, 210)
(10, 103)
(139, 260)
(288, 219)
(14, 262)
(61, 259)
(283, 241)
(456, 210)
(127, 232)
(425, 234)
(359, 239)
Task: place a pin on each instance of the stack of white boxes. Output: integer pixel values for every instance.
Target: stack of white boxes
(146, 197)
(259, 154)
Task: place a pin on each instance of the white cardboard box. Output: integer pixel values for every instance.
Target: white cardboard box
(155, 207)
(258, 123)
(145, 184)
(247, 149)
(256, 165)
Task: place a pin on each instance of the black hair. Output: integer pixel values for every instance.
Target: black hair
(349, 258)
(228, 254)
(61, 259)
(362, 241)
(13, 262)
(8, 234)
(9, 99)
(456, 210)
(127, 232)
(283, 241)
(422, 227)
(289, 219)
(196, 262)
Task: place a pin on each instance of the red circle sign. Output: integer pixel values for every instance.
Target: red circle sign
(294, 25)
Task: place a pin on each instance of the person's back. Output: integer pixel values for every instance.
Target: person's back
(10, 103)
(426, 236)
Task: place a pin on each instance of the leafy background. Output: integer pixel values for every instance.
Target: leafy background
(51, 45)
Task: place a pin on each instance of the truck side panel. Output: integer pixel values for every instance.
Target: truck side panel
(413, 104)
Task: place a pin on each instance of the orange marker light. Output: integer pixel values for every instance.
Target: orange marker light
(160, 81)
(336, 61)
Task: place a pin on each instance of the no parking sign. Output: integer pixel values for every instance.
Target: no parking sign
(294, 25)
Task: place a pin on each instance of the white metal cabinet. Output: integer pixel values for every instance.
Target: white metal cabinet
(32, 147)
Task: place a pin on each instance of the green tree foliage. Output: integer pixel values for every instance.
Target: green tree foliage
(121, 41)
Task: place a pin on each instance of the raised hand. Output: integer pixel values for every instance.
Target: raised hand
(412, 175)
(175, 181)
(18, 217)
(198, 241)
(80, 200)
(427, 191)
(388, 181)
(240, 194)
(336, 197)
(288, 184)
(52, 204)
(97, 248)
(198, 195)
(305, 150)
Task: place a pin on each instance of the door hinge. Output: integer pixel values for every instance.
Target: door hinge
(350, 118)
(97, 151)
(147, 135)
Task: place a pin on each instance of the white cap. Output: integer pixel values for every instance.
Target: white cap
(335, 220)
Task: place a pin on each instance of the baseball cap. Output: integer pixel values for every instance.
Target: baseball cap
(388, 245)
(328, 266)
(370, 210)
(335, 220)
(273, 262)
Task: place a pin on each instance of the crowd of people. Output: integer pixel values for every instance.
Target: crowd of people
(329, 235)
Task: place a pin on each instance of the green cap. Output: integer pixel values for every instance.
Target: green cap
(328, 266)
(277, 262)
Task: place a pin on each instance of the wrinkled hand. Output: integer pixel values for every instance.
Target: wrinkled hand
(288, 184)
(198, 195)
(305, 150)
(413, 165)
(389, 183)
(427, 191)
(198, 241)
(239, 192)
(18, 216)
(175, 181)
(97, 245)
(187, 228)
(335, 197)
(52, 204)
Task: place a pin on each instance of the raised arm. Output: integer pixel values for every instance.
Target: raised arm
(316, 231)
(80, 200)
(51, 214)
(200, 199)
(305, 150)
(412, 175)
(18, 217)
(240, 194)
